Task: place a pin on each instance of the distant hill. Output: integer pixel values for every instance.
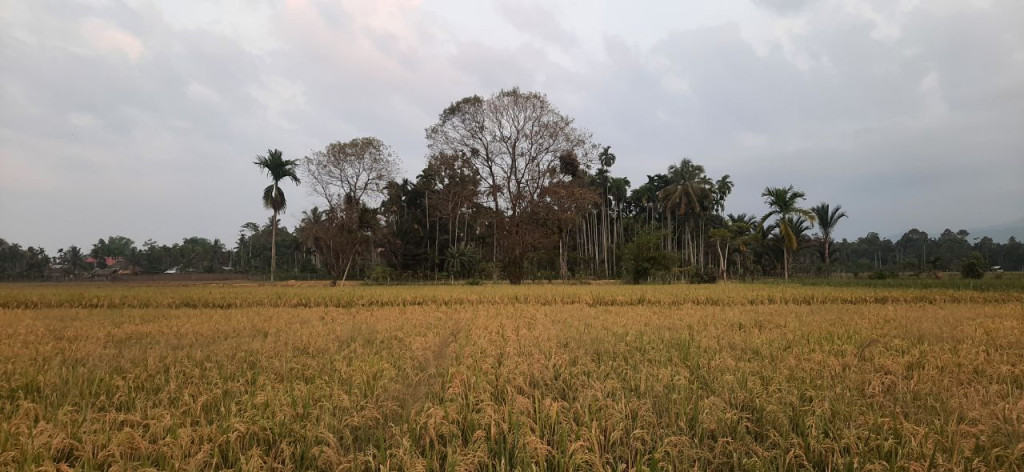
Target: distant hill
(1000, 233)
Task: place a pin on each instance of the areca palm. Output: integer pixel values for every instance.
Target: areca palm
(278, 168)
(607, 159)
(827, 218)
(723, 187)
(783, 204)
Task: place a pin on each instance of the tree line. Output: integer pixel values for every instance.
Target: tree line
(512, 189)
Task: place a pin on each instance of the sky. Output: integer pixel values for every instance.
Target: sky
(142, 118)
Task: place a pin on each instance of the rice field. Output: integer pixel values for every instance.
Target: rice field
(545, 377)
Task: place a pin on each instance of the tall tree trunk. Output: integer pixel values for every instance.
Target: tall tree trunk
(604, 229)
(426, 234)
(725, 263)
(721, 259)
(563, 267)
(597, 244)
(616, 221)
(454, 240)
(273, 245)
(494, 199)
(785, 261)
(437, 242)
(345, 275)
(828, 267)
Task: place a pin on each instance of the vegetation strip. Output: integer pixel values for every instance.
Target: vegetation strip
(34, 297)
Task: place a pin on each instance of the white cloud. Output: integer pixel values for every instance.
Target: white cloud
(934, 100)
(105, 37)
(280, 96)
(84, 120)
(201, 92)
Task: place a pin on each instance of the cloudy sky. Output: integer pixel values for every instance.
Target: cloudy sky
(143, 117)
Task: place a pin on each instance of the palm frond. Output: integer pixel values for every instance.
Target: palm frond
(274, 199)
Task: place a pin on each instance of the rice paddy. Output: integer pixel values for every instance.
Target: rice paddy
(545, 377)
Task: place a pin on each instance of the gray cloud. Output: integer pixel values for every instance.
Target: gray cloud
(537, 21)
(142, 119)
(784, 6)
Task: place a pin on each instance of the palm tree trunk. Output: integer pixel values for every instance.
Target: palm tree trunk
(273, 246)
(828, 266)
(437, 242)
(563, 267)
(785, 262)
(604, 228)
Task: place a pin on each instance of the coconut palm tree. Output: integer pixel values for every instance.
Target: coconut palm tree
(688, 195)
(827, 219)
(310, 231)
(689, 186)
(74, 259)
(783, 204)
(278, 168)
(743, 228)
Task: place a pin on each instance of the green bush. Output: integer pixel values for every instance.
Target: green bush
(463, 262)
(645, 260)
(973, 267)
(707, 275)
(381, 275)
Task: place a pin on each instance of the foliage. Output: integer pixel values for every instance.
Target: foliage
(697, 275)
(277, 168)
(462, 262)
(381, 274)
(18, 263)
(827, 218)
(973, 267)
(645, 260)
(515, 165)
(115, 247)
(783, 205)
(881, 275)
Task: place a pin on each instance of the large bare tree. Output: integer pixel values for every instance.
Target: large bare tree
(516, 142)
(351, 177)
(514, 139)
(360, 168)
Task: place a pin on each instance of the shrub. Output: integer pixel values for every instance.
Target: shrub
(463, 262)
(881, 275)
(707, 275)
(381, 274)
(973, 267)
(645, 259)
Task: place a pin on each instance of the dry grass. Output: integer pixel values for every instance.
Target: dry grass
(738, 377)
(225, 296)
